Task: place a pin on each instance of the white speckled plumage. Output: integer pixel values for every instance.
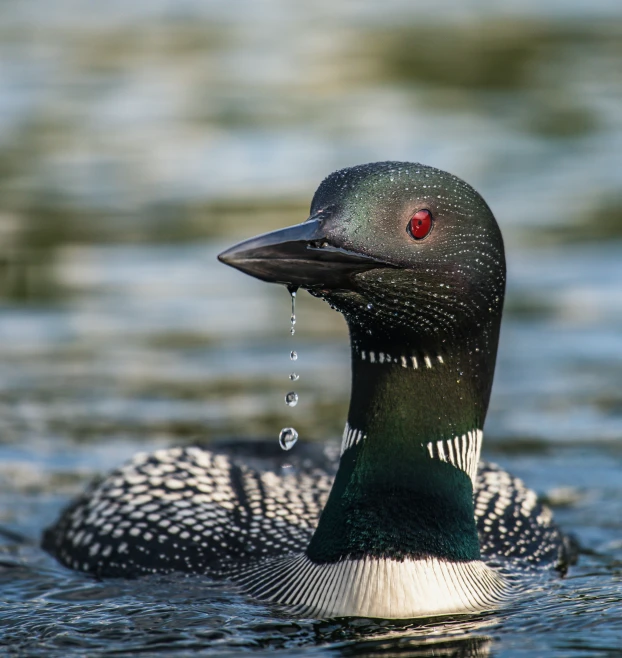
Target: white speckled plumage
(193, 510)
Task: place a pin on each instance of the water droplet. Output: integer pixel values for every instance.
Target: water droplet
(291, 399)
(288, 438)
(292, 319)
(294, 377)
(369, 307)
(293, 355)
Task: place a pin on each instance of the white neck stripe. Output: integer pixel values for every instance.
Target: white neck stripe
(405, 361)
(351, 437)
(462, 451)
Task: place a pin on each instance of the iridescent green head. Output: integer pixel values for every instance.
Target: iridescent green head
(398, 247)
(441, 241)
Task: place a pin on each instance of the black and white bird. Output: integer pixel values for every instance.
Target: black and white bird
(409, 523)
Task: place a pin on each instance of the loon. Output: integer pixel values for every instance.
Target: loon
(409, 523)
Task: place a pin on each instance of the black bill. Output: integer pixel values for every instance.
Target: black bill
(298, 255)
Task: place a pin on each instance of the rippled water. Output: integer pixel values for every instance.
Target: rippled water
(137, 142)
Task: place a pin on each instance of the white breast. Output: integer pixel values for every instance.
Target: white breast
(372, 587)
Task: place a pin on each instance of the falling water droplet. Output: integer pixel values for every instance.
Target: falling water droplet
(288, 438)
(369, 307)
(292, 319)
(288, 435)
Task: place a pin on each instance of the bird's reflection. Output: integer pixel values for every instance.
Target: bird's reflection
(460, 636)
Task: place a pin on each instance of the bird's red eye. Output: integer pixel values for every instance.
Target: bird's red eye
(420, 224)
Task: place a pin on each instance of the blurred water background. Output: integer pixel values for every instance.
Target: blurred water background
(139, 139)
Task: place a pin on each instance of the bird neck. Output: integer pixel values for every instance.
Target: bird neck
(404, 487)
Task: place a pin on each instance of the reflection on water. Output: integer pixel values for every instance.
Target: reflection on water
(139, 141)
